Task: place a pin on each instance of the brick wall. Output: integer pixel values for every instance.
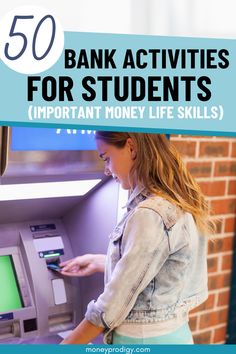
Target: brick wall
(212, 161)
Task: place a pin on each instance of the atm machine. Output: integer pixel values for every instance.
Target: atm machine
(38, 304)
(35, 301)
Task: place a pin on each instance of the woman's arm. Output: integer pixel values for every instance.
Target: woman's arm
(84, 333)
(85, 265)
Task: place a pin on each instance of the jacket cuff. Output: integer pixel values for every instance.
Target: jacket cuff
(95, 315)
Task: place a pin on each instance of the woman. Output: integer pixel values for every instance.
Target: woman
(155, 269)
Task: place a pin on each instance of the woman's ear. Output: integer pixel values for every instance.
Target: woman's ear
(132, 149)
(133, 155)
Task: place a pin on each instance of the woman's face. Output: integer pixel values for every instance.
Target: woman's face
(118, 161)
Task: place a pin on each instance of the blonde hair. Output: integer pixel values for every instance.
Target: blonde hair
(160, 169)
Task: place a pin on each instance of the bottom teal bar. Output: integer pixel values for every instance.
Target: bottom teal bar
(109, 349)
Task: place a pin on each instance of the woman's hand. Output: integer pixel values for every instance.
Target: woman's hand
(85, 265)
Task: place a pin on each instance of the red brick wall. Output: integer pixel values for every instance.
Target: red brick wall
(212, 161)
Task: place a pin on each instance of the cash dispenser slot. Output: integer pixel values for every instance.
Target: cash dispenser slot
(60, 322)
(9, 329)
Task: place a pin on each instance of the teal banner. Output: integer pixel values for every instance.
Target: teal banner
(128, 82)
(125, 349)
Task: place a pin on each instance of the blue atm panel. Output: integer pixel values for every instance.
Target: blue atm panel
(43, 139)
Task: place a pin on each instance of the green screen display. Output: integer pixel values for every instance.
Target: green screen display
(10, 298)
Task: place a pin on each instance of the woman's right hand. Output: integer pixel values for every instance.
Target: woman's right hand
(82, 266)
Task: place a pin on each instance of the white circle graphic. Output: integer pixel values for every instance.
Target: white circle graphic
(31, 39)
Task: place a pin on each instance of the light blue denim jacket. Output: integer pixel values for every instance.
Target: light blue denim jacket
(156, 266)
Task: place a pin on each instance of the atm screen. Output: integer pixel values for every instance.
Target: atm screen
(41, 139)
(10, 297)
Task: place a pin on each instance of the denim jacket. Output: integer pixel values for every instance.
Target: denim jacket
(156, 266)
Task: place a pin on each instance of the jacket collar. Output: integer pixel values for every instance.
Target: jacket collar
(137, 195)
